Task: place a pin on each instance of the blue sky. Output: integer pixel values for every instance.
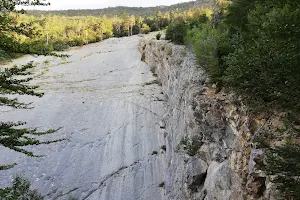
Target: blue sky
(94, 4)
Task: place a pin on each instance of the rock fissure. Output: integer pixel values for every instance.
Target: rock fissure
(108, 177)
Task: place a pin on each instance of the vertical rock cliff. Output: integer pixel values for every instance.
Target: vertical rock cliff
(208, 136)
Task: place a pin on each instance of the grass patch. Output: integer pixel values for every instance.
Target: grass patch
(46, 62)
(189, 145)
(151, 82)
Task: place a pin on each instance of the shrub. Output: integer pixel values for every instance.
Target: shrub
(210, 47)
(198, 21)
(283, 162)
(176, 32)
(265, 70)
(60, 45)
(20, 190)
(38, 47)
(189, 146)
(158, 36)
(4, 56)
(145, 29)
(154, 27)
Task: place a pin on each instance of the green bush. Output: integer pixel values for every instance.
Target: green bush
(210, 46)
(176, 32)
(60, 45)
(38, 47)
(198, 21)
(283, 162)
(76, 41)
(158, 36)
(20, 190)
(154, 27)
(4, 56)
(189, 145)
(264, 67)
(145, 29)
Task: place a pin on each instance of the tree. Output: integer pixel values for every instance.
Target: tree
(140, 21)
(117, 23)
(131, 23)
(177, 32)
(126, 26)
(14, 81)
(283, 163)
(146, 29)
(20, 190)
(237, 16)
(172, 16)
(8, 27)
(265, 64)
(159, 17)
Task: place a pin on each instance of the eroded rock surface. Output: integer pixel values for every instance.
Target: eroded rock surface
(107, 103)
(203, 126)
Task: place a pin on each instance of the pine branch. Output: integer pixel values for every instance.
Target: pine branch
(4, 101)
(14, 81)
(6, 167)
(20, 189)
(16, 138)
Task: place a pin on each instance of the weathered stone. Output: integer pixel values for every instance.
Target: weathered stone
(109, 117)
(219, 119)
(196, 173)
(218, 181)
(256, 161)
(162, 124)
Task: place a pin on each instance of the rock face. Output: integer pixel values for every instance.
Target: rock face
(108, 106)
(208, 136)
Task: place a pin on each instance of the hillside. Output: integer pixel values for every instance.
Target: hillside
(121, 10)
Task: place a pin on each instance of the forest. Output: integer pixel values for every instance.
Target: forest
(47, 33)
(121, 10)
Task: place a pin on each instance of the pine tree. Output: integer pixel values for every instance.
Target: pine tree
(20, 190)
(14, 81)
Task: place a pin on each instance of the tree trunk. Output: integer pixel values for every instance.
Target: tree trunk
(47, 39)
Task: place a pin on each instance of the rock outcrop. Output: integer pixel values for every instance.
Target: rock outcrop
(208, 135)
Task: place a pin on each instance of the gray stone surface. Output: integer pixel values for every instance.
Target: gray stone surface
(218, 121)
(191, 114)
(100, 98)
(196, 173)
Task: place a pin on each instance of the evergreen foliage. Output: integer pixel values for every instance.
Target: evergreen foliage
(177, 31)
(264, 66)
(120, 10)
(20, 189)
(14, 81)
(252, 48)
(46, 33)
(284, 163)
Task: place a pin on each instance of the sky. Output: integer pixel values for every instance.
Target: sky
(94, 4)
